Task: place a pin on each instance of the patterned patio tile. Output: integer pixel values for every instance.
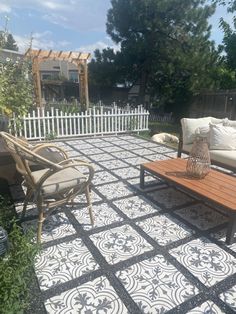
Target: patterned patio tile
(150, 145)
(112, 149)
(205, 260)
(114, 190)
(94, 140)
(136, 161)
(103, 215)
(156, 285)
(143, 151)
(162, 149)
(136, 206)
(82, 198)
(170, 197)
(55, 227)
(113, 164)
(229, 297)
(82, 145)
(101, 157)
(103, 177)
(112, 139)
(164, 229)
(103, 144)
(202, 216)
(130, 146)
(91, 151)
(63, 262)
(207, 307)
(73, 153)
(126, 173)
(221, 236)
(96, 296)
(123, 155)
(126, 137)
(155, 157)
(121, 142)
(76, 142)
(137, 141)
(172, 154)
(119, 244)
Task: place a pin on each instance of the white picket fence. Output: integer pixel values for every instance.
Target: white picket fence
(40, 124)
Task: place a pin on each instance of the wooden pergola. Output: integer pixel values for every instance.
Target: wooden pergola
(78, 58)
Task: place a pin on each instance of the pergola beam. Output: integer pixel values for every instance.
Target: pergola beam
(78, 58)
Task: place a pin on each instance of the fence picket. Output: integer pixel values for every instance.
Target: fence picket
(38, 124)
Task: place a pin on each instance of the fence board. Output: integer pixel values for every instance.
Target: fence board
(38, 124)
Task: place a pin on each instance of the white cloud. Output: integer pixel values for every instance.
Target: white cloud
(4, 8)
(39, 41)
(64, 43)
(97, 45)
(79, 15)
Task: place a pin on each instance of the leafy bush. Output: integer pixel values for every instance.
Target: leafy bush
(16, 266)
(16, 93)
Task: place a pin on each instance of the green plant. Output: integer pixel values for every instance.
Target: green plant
(16, 92)
(51, 136)
(16, 266)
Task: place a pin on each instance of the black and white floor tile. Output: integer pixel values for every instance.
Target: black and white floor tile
(202, 216)
(170, 197)
(120, 243)
(164, 229)
(96, 296)
(156, 285)
(205, 260)
(63, 262)
(207, 307)
(153, 250)
(103, 214)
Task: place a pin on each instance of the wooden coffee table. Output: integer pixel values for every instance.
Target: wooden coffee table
(216, 187)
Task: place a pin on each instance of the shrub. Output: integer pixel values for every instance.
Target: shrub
(16, 267)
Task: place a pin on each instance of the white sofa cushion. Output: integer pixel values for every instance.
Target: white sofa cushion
(226, 157)
(189, 127)
(222, 137)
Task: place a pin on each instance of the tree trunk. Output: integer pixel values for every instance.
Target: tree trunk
(142, 89)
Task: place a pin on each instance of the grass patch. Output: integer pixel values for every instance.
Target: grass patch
(16, 266)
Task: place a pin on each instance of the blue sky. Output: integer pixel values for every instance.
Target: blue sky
(78, 25)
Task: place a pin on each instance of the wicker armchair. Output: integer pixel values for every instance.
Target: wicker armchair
(55, 183)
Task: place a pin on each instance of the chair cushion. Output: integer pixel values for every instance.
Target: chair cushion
(59, 181)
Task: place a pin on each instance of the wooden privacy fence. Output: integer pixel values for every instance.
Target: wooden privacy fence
(41, 124)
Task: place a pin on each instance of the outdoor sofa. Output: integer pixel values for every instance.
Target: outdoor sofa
(221, 138)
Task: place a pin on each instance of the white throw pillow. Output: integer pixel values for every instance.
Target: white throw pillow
(189, 127)
(222, 137)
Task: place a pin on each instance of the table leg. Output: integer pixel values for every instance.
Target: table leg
(142, 185)
(231, 229)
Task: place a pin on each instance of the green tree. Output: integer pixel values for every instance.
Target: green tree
(7, 41)
(166, 44)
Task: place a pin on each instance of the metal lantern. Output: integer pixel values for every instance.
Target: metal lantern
(3, 241)
(199, 163)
